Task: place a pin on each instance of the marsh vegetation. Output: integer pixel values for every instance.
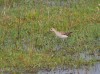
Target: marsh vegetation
(27, 43)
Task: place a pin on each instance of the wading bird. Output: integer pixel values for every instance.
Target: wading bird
(62, 35)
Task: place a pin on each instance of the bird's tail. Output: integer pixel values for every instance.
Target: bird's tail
(68, 33)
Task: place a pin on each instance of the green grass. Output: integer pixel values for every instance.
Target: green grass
(25, 39)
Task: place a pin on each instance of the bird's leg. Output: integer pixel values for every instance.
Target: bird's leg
(62, 43)
(57, 47)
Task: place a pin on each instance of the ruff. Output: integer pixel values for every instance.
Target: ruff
(62, 35)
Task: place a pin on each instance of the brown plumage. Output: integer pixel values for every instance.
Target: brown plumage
(67, 33)
(62, 35)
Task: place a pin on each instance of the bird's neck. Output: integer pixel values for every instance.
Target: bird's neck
(55, 31)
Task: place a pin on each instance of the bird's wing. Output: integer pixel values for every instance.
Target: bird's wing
(66, 33)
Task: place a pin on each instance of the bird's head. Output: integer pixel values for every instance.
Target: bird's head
(52, 29)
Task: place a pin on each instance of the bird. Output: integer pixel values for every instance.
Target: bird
(62, 35)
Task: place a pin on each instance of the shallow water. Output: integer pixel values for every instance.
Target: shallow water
(84, 70)
(92, 70)
(95, 69)
(66, 3)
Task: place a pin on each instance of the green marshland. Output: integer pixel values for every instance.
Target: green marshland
(26, 41)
